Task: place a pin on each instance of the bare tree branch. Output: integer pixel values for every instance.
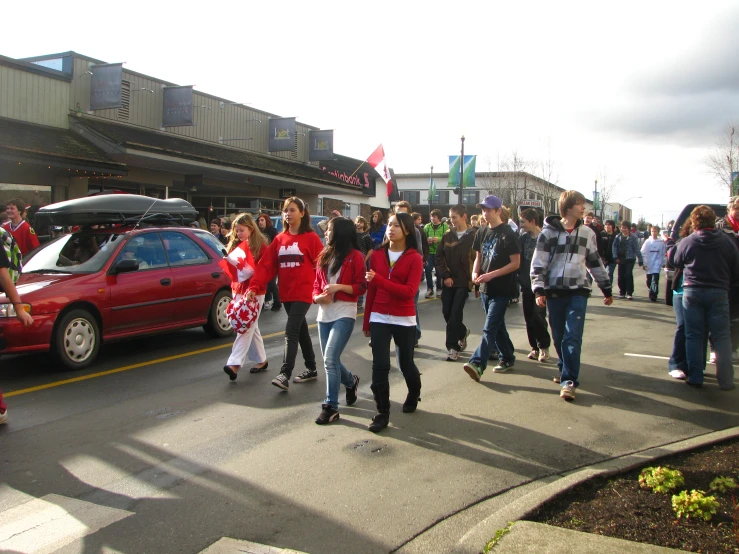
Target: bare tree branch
(723, 161)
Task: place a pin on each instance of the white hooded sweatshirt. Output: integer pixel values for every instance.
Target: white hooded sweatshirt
(654, 251)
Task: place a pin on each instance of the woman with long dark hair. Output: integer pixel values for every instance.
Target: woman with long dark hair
(292, 258)
(248, 344)
(340, 280)
(393, 279)
(377, 228)
(272, 298)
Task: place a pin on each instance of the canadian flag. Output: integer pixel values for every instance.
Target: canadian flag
(239, 264)
(377, 160)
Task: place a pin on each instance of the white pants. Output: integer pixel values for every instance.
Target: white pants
(250, 344)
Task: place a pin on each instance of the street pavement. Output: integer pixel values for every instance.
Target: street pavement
(155, 450)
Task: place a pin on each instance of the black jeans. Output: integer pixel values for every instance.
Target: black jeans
(296, 332)
(272, 292)
(536, 322)
(626, 277)
(404, 338)
(453, 300)
(653, 285)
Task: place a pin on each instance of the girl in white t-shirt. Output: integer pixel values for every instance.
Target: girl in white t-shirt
(339, 282)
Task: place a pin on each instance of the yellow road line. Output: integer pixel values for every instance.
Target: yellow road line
(127, 368)
(142, 364)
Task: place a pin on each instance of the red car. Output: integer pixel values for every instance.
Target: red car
(133, 269)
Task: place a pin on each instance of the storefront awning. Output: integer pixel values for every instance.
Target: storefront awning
(58, 149)
(168, 152)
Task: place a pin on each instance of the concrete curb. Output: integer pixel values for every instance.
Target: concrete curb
(474, 540)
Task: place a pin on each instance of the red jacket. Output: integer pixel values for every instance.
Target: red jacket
(293, 259)
(352, 273)
(393, 292)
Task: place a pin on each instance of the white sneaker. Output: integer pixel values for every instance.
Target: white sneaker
(712, 358)
(567, 391)
(429, 293)
(267, 305)
(4, 417)
(543, 355)
(452, 356)
(677, 374)
(533, 355)
(438, 294)
(463, 342)
(735, 356)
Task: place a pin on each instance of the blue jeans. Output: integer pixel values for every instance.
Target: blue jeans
(678, 360)
(494, 332)
(567, 322)
(334, 335)
(707, 310)
(430, 273)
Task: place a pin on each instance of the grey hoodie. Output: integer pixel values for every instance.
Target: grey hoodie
(561, 261)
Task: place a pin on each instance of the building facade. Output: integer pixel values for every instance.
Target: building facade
(61, 137)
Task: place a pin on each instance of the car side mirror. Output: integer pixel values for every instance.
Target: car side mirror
(125, 266)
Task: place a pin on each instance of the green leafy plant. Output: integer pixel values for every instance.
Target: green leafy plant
(723, 484)
(660, 479)
(694, 504)
(499, 534)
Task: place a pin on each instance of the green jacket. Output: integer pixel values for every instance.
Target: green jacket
(438, 232)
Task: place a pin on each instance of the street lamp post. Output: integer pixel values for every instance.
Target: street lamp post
(461, 173)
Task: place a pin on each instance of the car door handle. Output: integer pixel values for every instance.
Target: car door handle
(215, 275)
(166, 282)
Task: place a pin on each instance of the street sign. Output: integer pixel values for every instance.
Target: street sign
(532, 203)
(287, 193)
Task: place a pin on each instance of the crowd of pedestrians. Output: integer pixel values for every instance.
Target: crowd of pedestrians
(552, 264)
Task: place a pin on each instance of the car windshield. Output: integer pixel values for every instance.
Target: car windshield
(82, 252)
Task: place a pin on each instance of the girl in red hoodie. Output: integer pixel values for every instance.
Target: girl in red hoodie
(292, 256)
(393, 279)
(339, 282)
(250, 343)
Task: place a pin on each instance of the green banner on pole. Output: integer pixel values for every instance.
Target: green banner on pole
(469, 171)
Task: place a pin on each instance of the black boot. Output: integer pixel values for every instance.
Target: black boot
(414, 393)
(382, 399)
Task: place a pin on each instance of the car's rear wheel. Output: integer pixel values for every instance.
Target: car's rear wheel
(77, 339)
(218, 324)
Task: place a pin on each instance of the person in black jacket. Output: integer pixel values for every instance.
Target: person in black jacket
(535, 316)
(710, 264)
(607, 238)
(454, 260)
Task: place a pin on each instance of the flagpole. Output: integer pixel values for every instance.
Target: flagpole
(360, 165)
(431, 196)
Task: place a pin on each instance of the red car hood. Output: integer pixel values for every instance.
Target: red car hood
(29, 284)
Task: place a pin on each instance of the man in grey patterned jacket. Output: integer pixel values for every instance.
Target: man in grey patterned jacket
(566, 251)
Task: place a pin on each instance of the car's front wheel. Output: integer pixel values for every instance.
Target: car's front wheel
(218, 324)
(76, 340)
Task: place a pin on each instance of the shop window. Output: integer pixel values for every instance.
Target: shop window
(412, 196)
(470, 197)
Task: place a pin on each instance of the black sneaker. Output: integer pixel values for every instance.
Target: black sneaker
(307, 375)
(328, 414)
(351, 392)
(276, 307)
(282, 381)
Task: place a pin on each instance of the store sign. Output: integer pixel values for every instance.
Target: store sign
(177, 108)
(282, 134)
(321, 146)
(287, 193)
(105, 86)
(531, 203)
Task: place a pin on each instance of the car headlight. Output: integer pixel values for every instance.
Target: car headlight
(9, 310)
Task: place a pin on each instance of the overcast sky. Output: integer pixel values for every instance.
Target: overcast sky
(635, 92)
